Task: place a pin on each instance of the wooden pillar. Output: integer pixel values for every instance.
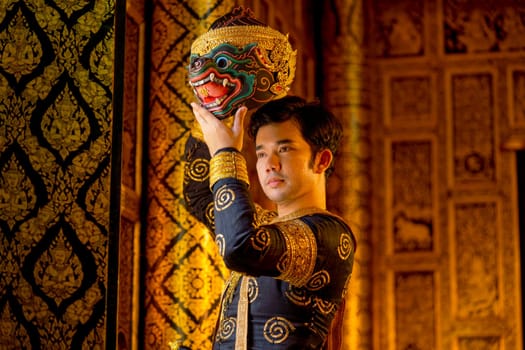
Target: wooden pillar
(345, 90)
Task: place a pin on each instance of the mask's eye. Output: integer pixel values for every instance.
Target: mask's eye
(222, 62)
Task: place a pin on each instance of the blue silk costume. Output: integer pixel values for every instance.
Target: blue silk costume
(289, 274)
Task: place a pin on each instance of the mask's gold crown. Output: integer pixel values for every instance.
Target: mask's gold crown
(278, 54)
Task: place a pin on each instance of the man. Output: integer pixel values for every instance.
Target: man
(290, 269)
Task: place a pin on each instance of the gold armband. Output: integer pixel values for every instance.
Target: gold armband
(228, 164)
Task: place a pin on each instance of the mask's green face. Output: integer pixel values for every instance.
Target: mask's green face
(228, 77)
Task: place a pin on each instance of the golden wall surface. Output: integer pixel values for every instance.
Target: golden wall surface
(447, 90)
(56, 70)
(183, 271)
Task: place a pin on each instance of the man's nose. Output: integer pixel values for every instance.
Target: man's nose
(273, 163)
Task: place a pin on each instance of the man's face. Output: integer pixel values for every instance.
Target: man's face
(284, 163)
(228, 77)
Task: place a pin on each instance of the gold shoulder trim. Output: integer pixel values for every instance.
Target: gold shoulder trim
(263, 216)
(298, 262)
(301, 212)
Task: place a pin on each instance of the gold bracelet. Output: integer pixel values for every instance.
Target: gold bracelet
(228, 164)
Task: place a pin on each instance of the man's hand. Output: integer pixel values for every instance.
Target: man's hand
(216, 134)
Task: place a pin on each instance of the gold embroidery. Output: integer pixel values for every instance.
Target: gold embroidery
(298, 262)
(224, 197)
(210, 214)
(301, 212)
(263, 216)
(241, 333)
(277, 330)
(345, 246)
(298, 296)
(199, 169)
(319, 280)
(227, 328)
(228, 291)
(325, 307)
(253, 289)
(261, 240)
(220, 241)
(228, 164)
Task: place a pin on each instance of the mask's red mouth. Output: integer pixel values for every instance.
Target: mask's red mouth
(214, 90)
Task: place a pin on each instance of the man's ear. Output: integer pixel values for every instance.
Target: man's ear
(323, 159)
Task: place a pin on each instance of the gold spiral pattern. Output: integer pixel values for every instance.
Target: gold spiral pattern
(224, 198)
(345, 246)
(318, 280)
(227, 328)
(199, 169)
(253, 289)
(261, 240)
(325, 307)
(277, 330)
(221, 243)
(298, 296)
(210, 214)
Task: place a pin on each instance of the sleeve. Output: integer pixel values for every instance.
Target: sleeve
(196, 185)
(285, 250)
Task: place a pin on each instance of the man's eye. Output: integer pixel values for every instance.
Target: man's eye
(222, 62)
(284, 149)
(260, 155)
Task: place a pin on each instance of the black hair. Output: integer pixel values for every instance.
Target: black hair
(319, 127)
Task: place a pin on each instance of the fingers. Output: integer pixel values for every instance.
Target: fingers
(199, 112)
(238, 121)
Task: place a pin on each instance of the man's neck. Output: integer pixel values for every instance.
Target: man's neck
(284, 209)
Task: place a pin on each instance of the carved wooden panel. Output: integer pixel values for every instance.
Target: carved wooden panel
(516, 95)
(410, 99)
(439, 122)
(472, 130)
(411, 201)
(414, 310)
(475, 248)
(479, 343)
(398, 28)
(483, 26)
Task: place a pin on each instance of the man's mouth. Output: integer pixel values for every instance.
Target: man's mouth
(213, 90)
(274, 182)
